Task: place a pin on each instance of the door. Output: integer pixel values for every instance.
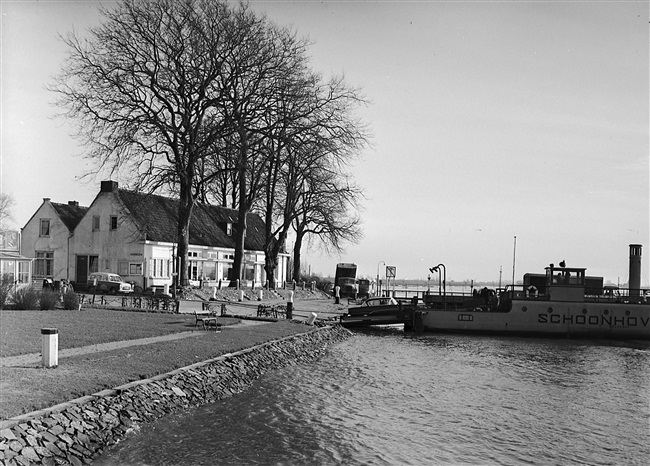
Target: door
(85, 266)
(82, 270)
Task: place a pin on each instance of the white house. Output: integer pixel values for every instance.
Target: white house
(134, 235)
(49, 237)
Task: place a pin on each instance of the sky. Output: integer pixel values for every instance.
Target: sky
(506, 135)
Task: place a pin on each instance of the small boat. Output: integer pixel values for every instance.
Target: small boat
(379, 311)
(564, 303)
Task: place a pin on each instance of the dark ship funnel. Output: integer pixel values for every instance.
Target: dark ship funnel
(635, 270)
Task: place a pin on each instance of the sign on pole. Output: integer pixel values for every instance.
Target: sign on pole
(390, 271)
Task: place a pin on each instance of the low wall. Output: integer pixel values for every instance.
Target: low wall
(78, 431)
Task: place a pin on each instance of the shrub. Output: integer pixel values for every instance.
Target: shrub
(25, 298)
(6, 283)
(48, 300)
(70, 301)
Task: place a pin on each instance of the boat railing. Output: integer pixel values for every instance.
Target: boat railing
(618, 295)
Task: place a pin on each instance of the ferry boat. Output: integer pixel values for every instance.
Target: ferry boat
(562, 302)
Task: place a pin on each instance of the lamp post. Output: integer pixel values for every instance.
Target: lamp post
(444, 279)
(378, 283)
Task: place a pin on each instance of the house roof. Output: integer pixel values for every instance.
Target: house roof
(70, 214)
(158, 217)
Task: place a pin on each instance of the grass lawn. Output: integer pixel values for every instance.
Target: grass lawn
(20, 331)
(30, 387)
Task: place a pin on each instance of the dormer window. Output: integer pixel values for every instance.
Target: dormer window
(229, 229)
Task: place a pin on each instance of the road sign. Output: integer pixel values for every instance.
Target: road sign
(390, 271)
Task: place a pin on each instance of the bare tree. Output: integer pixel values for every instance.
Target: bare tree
(7, 205)
(148, 88)
(328, 215)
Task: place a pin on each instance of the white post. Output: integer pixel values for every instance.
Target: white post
(50, 347)
(260, 294)
(241, 295)
(311, 319)
(214, 292)
(166, 288)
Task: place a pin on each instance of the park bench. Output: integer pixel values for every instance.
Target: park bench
(206, 320)
(264, 310)
(281, 311)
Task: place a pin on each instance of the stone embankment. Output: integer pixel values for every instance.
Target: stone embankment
(78, 431)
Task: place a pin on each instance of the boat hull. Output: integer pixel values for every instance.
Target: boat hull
(545, 318)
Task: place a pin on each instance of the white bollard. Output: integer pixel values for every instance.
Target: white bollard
(311, 319)
(260, 294)
(166, 288)
(241, 295)
(50, 347)
(214, 292)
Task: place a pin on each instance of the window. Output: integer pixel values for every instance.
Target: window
(23, 272)
(44, 264)
(159, 268)
(93, 264)
(135, 269)
(8, 269)
(210, 270)
(95, 222)
(113, 222)
(123, 268)
(45, 227)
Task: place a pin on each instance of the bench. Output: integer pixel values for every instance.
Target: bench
(281, 311)
(206, 321)
(264, 310)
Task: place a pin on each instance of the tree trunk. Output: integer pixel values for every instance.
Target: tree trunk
(185, 207)
(296, 255)
(240, 238)
(270, 264)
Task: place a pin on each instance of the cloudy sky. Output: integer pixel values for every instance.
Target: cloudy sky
(491, 120)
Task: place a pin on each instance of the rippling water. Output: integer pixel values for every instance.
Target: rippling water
(386, 398)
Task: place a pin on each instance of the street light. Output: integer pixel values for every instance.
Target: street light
(378, 285)
(444, 280)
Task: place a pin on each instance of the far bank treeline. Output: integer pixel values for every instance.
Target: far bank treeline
(212, 102)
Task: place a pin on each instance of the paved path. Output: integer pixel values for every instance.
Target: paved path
(31, 359)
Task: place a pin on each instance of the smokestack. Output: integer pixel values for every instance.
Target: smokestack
(635, 270)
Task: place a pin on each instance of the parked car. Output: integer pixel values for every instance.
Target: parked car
(100, 282)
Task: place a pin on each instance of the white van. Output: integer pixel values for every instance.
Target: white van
(100, 282)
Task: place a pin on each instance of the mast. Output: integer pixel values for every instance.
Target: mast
(514, 258)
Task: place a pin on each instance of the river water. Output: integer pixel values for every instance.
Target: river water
(389, 398)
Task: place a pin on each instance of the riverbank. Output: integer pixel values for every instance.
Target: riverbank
(224, 358)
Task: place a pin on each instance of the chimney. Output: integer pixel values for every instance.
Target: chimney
(109, 186)
(46, 199)
(73, 203)
(635, 270)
